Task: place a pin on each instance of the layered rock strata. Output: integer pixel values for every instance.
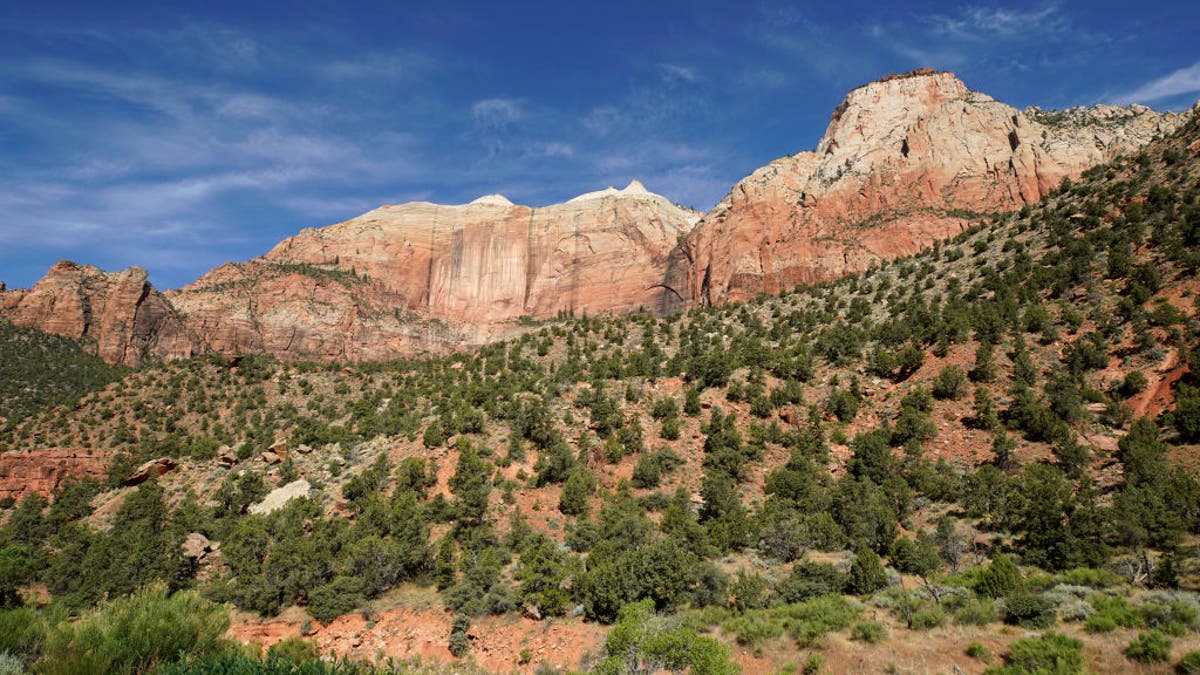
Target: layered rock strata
(906, 161)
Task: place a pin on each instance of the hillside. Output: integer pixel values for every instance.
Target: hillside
(38, 370)
(993, 436)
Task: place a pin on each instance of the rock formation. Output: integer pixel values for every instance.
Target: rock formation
(42, 471)
(906, 161)
(420, 276)
(119, 314)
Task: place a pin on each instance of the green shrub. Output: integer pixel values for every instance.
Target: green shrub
(1174, 613)
(1151, 647)
(977, 612)
(1000, 578)
(809, 580)
(1029, 610)
(1100, 623)
(640, 640)
(1111, 613)
(136, 634)
(22, 632)
(866, 573)
(813, 664)
(1189, 664)
(807, 621)
(978, 651)
(753, 628)
(1051, 653)
(460, 640)
(11, 664)
(869, 631)
(295, 650)
(928, 617)
(1087, 576)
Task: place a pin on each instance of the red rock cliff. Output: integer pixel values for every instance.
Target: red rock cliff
(118, 315)
(902, 160)
(421, 276)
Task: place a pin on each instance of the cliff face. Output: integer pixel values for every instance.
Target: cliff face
(904, 163)
(117, 314)
(423, 276)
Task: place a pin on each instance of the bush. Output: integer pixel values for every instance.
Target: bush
(950, 383)
(978, 651)
(809, 580)
(1111, 613)
(22, 632)
(1189, 664)
(295, 650)
(137, 633)
(809, 620)
(754, 628)
(928, 617)
(1029, 610)
(642, 641)
(1050, 653)
(1152, 647)
(460, 640)
(866, 573)
(869, 631)
(1100, 623)
(976, 613)
(1000, 578)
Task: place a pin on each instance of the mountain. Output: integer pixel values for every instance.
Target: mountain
(118, 315)
(906, 161)
(427, 277)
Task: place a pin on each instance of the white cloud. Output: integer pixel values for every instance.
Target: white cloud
(980, 23)
(495, 113)
(398, 65)
(1182, 81)
(671, 72)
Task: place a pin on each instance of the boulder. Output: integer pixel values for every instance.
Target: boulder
(151, 469)
(278, 497)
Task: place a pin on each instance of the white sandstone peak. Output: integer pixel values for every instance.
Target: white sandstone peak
(492, 200)
(635, 189)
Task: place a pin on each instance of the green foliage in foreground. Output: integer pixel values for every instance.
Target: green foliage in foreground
(1050, 654)
(137, 633)
(643, 642)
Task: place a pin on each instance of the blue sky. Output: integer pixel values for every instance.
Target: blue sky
(177, 136)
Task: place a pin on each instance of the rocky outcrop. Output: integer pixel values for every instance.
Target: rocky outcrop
(151, 469)
(118, 315)
(280, 496)
(43, 471)
(906, 161)
(428, 277)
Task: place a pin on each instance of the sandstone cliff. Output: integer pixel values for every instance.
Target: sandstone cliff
(905, 162)
(119, 315)
(420, 276)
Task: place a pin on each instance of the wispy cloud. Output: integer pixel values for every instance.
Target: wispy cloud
(984, 22)
(497, 113)
(672, 72)
(1183, 81)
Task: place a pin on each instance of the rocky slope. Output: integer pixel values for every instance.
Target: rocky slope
(119, 315)
(423, 276)
(904, 163)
